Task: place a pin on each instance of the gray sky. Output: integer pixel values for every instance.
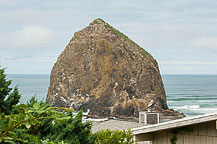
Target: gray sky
(180, 34)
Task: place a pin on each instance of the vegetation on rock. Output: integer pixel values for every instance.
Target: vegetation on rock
(117, 32)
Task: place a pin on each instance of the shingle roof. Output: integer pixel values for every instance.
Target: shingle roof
(115, 125)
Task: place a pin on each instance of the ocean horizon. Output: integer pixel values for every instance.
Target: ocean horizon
(192, 94)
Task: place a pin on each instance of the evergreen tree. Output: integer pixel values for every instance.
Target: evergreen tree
(8, 96)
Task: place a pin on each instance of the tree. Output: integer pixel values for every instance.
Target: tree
(8, 96)
(38, 122)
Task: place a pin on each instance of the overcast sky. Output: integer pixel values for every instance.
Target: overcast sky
(180, 34)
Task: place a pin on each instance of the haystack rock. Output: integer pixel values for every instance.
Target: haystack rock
(102, 70)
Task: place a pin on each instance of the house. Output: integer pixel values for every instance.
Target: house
(191, 130)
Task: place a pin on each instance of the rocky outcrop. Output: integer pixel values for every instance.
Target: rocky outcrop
(104, 71)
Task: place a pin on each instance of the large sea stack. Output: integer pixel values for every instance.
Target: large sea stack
(102, 70)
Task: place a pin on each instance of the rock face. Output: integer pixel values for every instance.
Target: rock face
(104, 71)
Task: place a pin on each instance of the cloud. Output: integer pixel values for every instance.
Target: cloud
(205, 42)
(5, 1)
(27, 65)
(32, 36)
(176, 33)
(19, 59)
(183, 69)
(188, 66)
(177, 62)
(191, 69)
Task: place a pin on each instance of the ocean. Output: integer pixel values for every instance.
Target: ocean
(190, 94)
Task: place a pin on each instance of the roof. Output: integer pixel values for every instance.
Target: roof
(175, 123)
(114, 125)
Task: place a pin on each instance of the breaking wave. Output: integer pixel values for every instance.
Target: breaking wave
(189, 107)
(196, 109)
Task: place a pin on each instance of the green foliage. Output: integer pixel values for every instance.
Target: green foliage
(33, 100)
(41, 123)
(71, 130)
(173, 139)
(179, 130)
(37, 122)
(114, 137)
(8, 96)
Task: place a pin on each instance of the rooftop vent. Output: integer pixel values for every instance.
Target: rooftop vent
(149, 117)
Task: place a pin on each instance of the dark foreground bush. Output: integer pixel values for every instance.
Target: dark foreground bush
(44, 124)
(37, 122)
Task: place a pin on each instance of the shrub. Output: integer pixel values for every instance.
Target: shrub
(43, 123)
(114, 137)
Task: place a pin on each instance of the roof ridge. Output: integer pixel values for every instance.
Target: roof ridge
(180, 121)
